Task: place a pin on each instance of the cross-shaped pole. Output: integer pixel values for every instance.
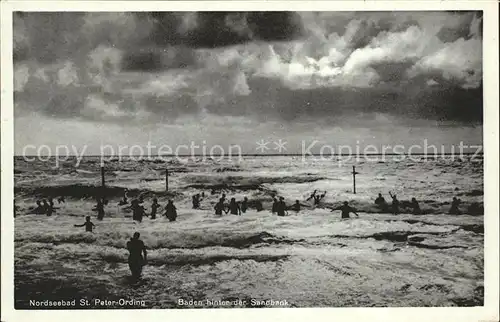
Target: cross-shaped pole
(354, 173)
(103, 181)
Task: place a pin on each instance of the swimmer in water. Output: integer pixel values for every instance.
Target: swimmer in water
(136, 261)
(88, 224)
(346, 209)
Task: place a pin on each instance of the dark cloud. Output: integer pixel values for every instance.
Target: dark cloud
(158, 59)
(219, 29)
(269, 100)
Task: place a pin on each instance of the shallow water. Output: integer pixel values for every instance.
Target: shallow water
(311, 258)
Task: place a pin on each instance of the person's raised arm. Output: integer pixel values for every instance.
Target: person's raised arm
(80, 225)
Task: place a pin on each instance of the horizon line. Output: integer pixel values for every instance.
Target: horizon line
(270, 155)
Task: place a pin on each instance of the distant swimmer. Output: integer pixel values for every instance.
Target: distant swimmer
(223, 197)
(346, 209)
(415, 206)
(454, 210)
(380, 202)
(196, 201)
(220, 207)
(259, 206)
(88, 224)
(141, 199)
(281, 207)
(312, 196)
(475, 209)
(296, 206)
(61, 200)
(395, 204)
(318, 198)
(45, 207)
(234, 208)
(171, 211)
(274, 209)
(138, 210)
(136, 261)
(40, 209)
(124, 200)
(99, 207)
(50, 207)
(244, 205)
(154, 208)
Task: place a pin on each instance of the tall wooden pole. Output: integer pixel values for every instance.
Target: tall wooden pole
(166, 179)
(354, 178)
(103, 182)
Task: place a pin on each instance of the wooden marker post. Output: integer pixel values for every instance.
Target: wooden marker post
(354, 173)
(103, 182)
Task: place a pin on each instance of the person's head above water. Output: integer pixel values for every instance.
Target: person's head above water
(136, 235)
(38, 202)
(281, 198)
(233, 199)
(345, 203)
(296, 201)
(380, 195)
(245, 198)
(87, 218)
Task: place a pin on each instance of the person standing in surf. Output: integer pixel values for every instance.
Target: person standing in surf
(274, 208)
(171, 211)
(154, 208)
(296, 206)
(137, 210)
(234, 208)
(346, 210)
(99, 207)
(219, 207)
(395, 204)
(123, 201)
(40, 209)
(415, 206)
(136, 261)
(258, 206)
(244, 205)
(281, 207)
(88, 224)
(454, 210)
(381, 203)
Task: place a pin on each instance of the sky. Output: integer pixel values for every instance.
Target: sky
(89, 80)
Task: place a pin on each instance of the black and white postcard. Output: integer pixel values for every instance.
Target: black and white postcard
(218, 160)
